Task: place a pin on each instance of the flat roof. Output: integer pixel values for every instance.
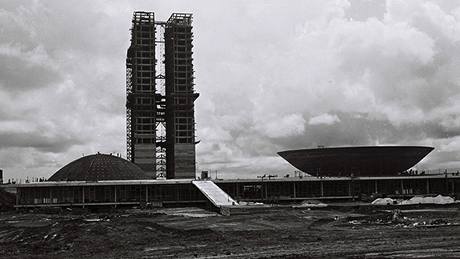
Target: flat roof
(253, 180)
(94, 183)
(314, 178)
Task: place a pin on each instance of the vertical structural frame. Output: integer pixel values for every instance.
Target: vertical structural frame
(180, 97)
(160, 119)
(140, 90)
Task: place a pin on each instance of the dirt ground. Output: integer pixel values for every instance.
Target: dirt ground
(271, 232)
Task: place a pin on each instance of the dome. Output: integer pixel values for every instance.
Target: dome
(99, 167)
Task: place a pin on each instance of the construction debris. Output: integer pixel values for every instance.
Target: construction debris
(384, 201)
(428, 200)
(310, 204)
(415, 200)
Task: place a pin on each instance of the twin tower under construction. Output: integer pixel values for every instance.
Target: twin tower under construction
(160, 96)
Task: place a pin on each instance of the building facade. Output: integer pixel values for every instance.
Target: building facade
(279, 190)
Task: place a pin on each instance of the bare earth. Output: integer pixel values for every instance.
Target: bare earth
(250, 233)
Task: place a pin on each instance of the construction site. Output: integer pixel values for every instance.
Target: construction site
(357, 201)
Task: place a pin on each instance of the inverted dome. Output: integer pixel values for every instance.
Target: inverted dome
(99, 167)
(357, 161)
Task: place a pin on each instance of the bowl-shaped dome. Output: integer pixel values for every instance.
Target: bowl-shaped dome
(356, 161)
(99, 167)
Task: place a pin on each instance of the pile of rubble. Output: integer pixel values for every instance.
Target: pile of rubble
(415, 200)
(310, 204)
(396, 218)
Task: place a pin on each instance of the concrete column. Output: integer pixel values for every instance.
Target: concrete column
(266, 191)
(349, 188)
(375, 186)
(447, 185)
(402, 186)
(18, 193)
(262, 190)
(293, 185)
(322, 188)
(237, 191)
(146, 194)
(177, 193)
(83, 195)
(115, 200)
(427, 186)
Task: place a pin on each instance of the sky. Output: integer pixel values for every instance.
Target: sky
(272, 76)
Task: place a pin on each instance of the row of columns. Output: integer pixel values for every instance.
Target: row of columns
(351, 183)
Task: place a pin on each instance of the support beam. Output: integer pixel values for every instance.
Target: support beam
(266, 191)
(446, 184)
(349, 187)
(322, 188)
(295, 194)
(18, 193)
(237, 191)
(83, 195)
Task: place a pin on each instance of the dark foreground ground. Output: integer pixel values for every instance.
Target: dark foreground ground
(262, 233)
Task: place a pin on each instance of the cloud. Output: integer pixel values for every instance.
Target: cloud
(279, 76)
(61, 84)
(287, 126)
(20, 74)
(39, 142)
(325, 118)
(382, 79)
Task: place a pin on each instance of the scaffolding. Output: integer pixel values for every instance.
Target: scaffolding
(140, 89)
(160, 96)
(161, 144)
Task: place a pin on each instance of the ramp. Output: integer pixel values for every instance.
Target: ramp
(214, 194)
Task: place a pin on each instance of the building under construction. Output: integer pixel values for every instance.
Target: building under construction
(161, 141)
(160, 96)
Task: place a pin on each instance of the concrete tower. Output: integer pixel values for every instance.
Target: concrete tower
(140, 89)
(160, 96)
(180, 97)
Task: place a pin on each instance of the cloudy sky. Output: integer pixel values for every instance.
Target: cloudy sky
(273, 75)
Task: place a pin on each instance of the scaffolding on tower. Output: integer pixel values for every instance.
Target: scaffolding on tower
(160, 93)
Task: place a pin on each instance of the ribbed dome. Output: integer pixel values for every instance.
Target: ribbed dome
(99, 167)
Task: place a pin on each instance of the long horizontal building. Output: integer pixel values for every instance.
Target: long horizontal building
(106, 180)
(183, 191)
